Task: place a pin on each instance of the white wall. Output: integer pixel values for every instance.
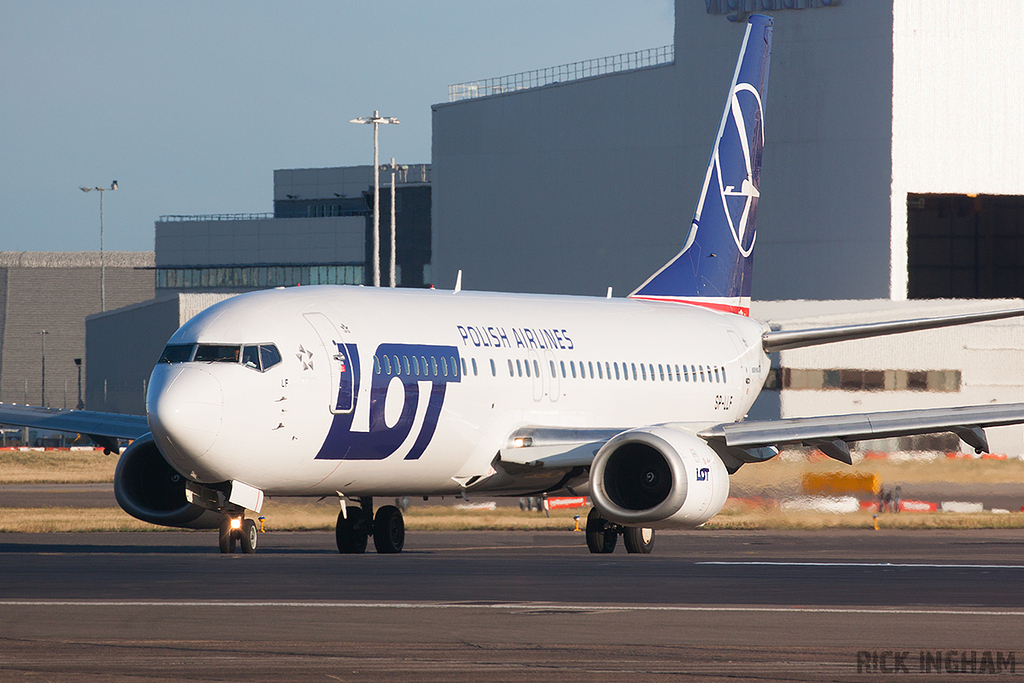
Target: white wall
(958, 104)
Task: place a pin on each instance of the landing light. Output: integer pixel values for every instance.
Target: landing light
(236, 522)
(522, 442)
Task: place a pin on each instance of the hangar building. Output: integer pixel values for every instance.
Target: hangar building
(890, 170)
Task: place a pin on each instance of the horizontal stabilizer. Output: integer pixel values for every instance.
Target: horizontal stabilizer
(782, 340)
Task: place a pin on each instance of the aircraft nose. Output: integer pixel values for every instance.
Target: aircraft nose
(185, 407)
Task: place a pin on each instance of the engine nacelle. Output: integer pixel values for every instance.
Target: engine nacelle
(148, 488)
(658, 477)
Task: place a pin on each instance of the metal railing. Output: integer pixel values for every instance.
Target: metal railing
(655, 56)
(216, 217)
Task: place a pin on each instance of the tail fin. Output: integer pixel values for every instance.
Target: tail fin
(714, 268)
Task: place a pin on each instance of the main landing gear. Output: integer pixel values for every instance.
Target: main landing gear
(241, 530)
(602, 535)
(356, 525)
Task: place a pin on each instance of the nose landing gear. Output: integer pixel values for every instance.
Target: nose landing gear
(241, 530)
(356, 525)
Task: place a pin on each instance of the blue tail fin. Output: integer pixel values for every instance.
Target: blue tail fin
(714, 268)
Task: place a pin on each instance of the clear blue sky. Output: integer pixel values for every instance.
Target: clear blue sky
(191, 106)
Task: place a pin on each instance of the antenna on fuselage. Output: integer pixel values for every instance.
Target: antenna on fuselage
(458, 283)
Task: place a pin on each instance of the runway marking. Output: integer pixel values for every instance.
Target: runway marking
(504, 606)
(859, 564)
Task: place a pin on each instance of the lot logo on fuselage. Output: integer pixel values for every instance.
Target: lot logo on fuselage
(412, 365)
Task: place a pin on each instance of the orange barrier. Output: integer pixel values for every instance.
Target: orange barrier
(830, 483)
(566, 502)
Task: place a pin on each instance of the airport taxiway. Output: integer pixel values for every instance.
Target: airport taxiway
(489, 606)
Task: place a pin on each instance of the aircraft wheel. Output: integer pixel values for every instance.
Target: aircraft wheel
(600, 538)
(249, 536)
(227, 537)
(350, 533)
(638, 540)
(389, 530)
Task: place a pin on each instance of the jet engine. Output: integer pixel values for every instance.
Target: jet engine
(148, 488)
(658, 477)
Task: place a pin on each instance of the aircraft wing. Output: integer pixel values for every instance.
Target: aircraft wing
(103, 428)
(752, 441)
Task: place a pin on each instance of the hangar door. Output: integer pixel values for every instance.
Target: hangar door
(965, 247)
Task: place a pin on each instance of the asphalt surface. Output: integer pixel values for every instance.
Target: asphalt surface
(493, 606)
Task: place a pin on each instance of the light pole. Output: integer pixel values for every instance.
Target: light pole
(103, 265)
(42, 392)
(376, 120)
(393, 167)
(81, 403)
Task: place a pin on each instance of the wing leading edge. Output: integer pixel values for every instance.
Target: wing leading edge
(103, 428)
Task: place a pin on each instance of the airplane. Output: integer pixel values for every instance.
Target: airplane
(361, 393)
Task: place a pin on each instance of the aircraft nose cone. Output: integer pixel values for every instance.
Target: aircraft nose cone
(186, 407)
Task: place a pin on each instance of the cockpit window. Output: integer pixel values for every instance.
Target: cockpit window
(217, 353)
(269, 356)
(251, 357)
(177, 353)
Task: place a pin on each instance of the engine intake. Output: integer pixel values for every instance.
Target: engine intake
(148, 488)
(658, 477)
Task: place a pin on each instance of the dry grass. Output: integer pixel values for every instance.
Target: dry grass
(56, 467)
(781, 473)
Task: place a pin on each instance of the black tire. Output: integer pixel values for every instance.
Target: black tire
(350, 533)
(249, 536)
(638, 539)
(388, 530)
(227, 537)
(600, 537)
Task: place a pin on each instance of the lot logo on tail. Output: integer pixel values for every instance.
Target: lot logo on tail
(715, 266)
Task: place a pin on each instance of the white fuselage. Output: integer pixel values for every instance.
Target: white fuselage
(413, 392)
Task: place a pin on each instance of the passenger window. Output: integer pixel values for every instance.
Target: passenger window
(464, 367)
(415, 366)
(474, 368)
(269, 356)
(723, 375)
(527, 364)
(607, 370)
(251, 357)
(398, 368)
(454, 365)
(661, 372)
(600, 373)
(433, 365)
(511, 370)
(444, 366)
(376, 365)
(616, 370)
(677, 372)
(686, 375)
(536, 369)
(572, 367)
(217, 353)
(423, 364)
(634, 371)
(701, 372)
(590, 365)
(387, 365)
(553, 372)
(405, 364)
(494, 370)
(176, 353)
(716, 375)
(643, 369)
(651, 366)
(562, 364)
(519, 367)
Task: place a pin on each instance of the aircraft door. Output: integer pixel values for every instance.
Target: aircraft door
(551, 369)
(537, 373)
(741, 358)
(341, 360)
